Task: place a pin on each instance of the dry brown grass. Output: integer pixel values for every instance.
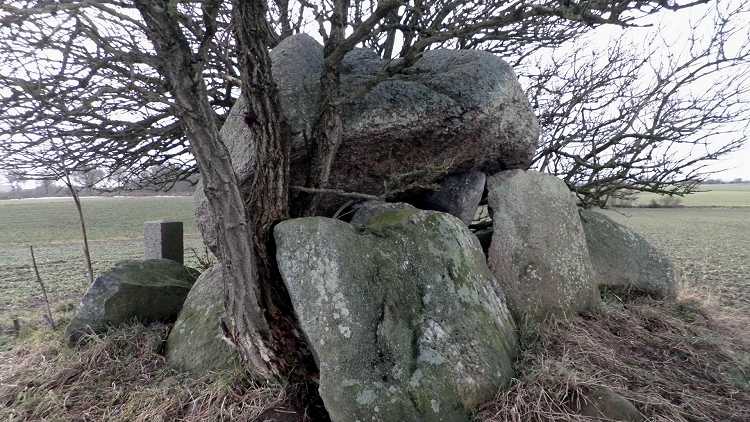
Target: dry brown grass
(122, 377)
(674, 361)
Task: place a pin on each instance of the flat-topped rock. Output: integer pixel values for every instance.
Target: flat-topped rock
(145, 291)
(163, 240)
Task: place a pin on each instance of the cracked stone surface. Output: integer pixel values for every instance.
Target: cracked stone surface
(624, 259)
(538, 251)
(452, 111)
(402, 314)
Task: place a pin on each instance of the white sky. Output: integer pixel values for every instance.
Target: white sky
(734, 165)
(737, 164)
(675, 28)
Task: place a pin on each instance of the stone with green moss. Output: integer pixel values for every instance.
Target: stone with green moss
(402, 315)
(368, 210)
(196, 342)
(623, 259)
(146, 291)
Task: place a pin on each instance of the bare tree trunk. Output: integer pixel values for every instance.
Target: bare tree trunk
(261, 323)
(267, 199)
(84, 235)
(329, 129)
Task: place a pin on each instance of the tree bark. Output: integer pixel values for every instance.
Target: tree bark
(248, 326)
(329, 129)
(267, 199)
(261, 322)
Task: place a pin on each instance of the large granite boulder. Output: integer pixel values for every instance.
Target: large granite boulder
(623, 259)
(146, 291)
(196, 342)
(452, 111)
(402, 315)
(538, 251)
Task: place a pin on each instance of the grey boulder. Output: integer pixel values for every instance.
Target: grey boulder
(145, 291)
(402, 315)
(458, 195)
(624, 259)
(452, 111)
(538, 251)
(196, 342)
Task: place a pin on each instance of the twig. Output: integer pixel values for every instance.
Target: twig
(49, 318)
(16, 326)
(481, 224)
(340, 212)
(338, 192)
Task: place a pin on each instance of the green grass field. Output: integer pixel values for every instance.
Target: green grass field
(710, 246)
(115, 227)
(720, 195)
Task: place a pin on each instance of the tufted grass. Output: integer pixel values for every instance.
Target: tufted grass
(681, 361)
(675, 362)
(123, 377)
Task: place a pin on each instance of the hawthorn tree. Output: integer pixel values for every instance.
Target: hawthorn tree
(649, 117)
(143, 82)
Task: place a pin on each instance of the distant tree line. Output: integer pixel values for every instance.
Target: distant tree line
(720, 181)
(90, 183)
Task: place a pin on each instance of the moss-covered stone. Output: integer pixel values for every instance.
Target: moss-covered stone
(196, 342)
(370, 212)
(624, 259)
(146, 291)
(402, 315)
(459, 110)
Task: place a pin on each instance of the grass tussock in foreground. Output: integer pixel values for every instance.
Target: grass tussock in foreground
(675, 362)
(121, 377)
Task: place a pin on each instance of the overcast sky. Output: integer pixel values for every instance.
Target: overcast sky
(675, 27)
(733, 165)
(736, 165)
